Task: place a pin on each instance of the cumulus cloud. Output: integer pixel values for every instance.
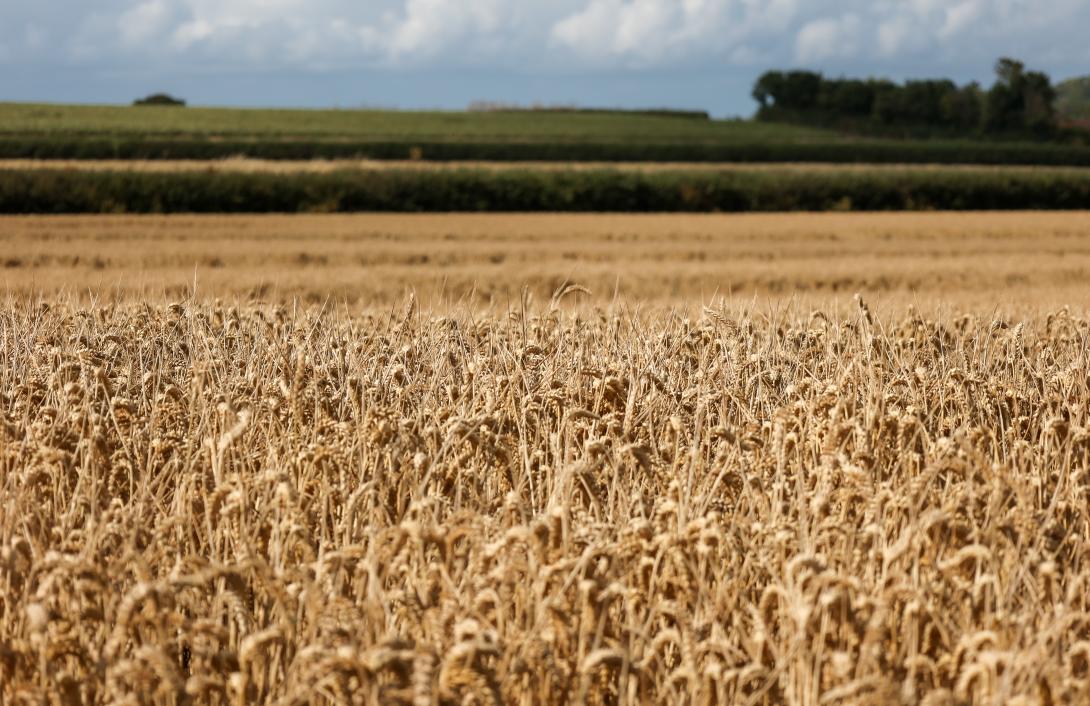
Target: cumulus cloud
(549, 33)
(828, 38)
(430, 26)
(616, 27)
(960, 17)
(304, 31)
(894, 35)
(645, 31)
(144, 21)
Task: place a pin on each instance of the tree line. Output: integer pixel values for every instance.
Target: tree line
(1019, 102)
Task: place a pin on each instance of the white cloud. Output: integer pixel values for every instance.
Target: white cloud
(194, 31)
(616, 27)
(828, 38)
(893, 36)
(923, 8)
(646, 31)
(960, 17)
(429, 26)
(144, 21)
(302, 31)
(235, 13)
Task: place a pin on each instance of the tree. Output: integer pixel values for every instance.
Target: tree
(791, 91)
(1020, 100)
(160, 99)
(1038, 102)
(850, 97)
(923, 100)
(1073, 99)
(962, 108)
(800, 90)
(1003, 104)
(767, 87)
(914, 103)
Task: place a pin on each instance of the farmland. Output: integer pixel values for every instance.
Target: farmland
(61, 191)
(487, 259)
(385, 125)
(114, 132)
(266, 437)
(103, 159)
(550, 502)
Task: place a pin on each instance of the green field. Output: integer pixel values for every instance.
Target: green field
(383, 125)
(116, 132)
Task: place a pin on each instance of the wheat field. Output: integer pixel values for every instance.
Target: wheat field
(486, 260)
(571, 496)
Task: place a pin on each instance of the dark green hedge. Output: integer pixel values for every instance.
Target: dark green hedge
(55, 191)
(864, 151)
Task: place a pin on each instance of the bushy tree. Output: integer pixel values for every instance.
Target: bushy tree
(791, 91)
(1039, 102)
(1073, 99)
(767, 87)
(1019, 100)
(916, 102)
(160, 99)
(851, 97)
(963, 107)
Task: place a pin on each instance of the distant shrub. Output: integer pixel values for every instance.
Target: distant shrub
(498, 107)
(160, 99)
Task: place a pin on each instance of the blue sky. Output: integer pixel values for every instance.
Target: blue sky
(447, 53)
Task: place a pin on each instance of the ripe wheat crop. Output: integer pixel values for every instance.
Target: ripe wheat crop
(1037, 259)
(215, 504)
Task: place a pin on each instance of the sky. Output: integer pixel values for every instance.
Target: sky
(699, 54)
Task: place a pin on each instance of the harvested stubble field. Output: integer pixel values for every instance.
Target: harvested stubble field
(567, 500)
(1037, 258)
